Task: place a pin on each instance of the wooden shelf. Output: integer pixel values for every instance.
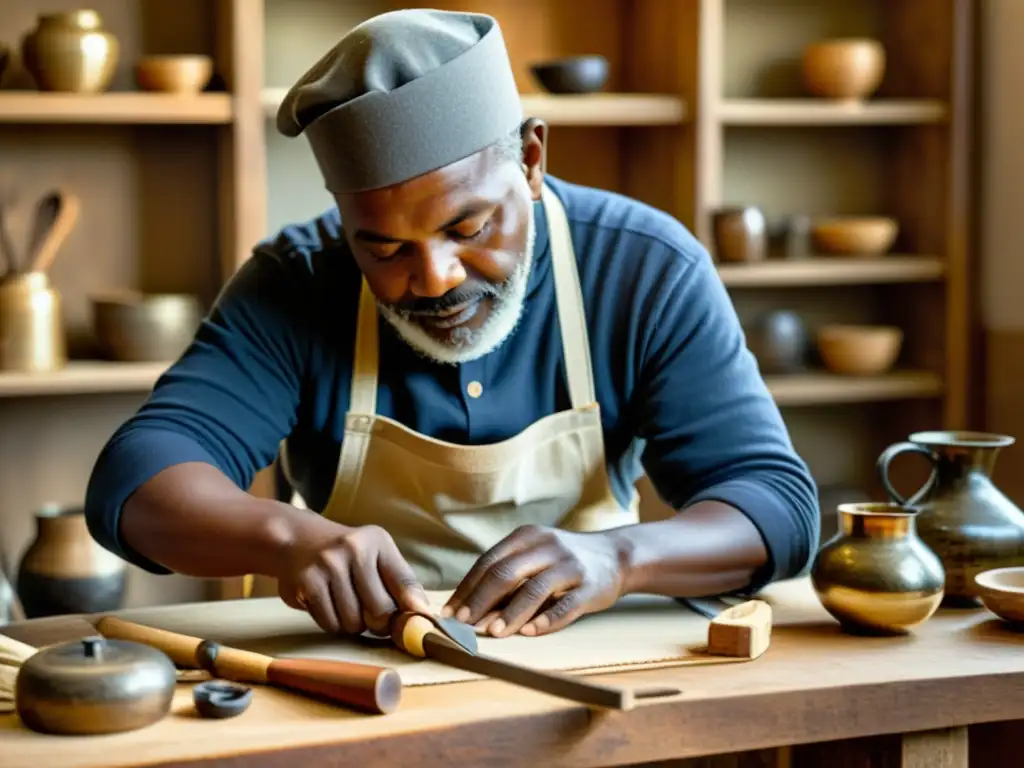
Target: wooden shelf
(115, 108)
(831, 389)
(833, 270)
(83, 378)
(604, 109)
(821, 112)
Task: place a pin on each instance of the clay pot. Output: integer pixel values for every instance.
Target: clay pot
(969, 523)
(64, 570)
(174, 74)
(844, 69)
(741, 234)
(854, 235)
(859, 350)
(779, 341)
(71, 52)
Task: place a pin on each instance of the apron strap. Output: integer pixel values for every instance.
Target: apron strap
(572, 316)
(365, 362)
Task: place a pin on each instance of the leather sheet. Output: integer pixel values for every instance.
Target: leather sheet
(640, 632)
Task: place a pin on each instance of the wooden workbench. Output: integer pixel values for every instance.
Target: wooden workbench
(814, 685)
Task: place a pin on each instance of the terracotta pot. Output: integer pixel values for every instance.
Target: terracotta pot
(741, 234)
(859, 350)
(969, 523)
(71, 52)
(844, 69)
(64, 570)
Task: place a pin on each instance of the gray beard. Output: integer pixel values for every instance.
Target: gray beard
(465, 344)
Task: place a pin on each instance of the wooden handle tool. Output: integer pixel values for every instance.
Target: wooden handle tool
(426, 638)
(362, 686)
(56, 216)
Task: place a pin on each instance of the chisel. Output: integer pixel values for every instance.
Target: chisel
(454, 644)
(361, 686)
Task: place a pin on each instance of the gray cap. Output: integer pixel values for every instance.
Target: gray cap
(403, 94)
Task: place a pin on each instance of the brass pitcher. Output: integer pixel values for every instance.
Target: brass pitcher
(31, 324)
(964, 518)
(876, 576)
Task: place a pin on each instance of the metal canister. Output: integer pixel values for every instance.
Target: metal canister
(31, 324)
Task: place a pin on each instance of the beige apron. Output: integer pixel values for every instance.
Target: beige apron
(446, 504)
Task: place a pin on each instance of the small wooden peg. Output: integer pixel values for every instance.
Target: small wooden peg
(743, 631)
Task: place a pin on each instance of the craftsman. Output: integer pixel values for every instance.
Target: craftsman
(465, 365)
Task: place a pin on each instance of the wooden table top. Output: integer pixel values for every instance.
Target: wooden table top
(813, 684)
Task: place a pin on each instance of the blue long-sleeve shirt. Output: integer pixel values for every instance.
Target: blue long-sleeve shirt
(680, 394)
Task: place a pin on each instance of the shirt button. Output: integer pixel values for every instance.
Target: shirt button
(474, 389)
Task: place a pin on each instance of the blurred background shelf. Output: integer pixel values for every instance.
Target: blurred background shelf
(607, 109)
(815, 112)
(703, 109)
(83, 378)
(115, 108)
(830, 270)
(830, 389)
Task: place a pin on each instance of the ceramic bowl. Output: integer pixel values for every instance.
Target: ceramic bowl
(859, 350)
(1002, 591)
(138, 327)
(848, 69)
(854, 235)
(574, 74)
(174, 74)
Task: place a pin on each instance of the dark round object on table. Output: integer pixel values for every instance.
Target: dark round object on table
(220, 699)
(93, 686)
(574, 74)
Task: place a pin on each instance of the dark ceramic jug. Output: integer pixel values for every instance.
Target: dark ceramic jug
(964, 518)
(779, 341)
(64, 570)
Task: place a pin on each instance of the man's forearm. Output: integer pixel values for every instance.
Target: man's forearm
(710, 548)
(191, 519)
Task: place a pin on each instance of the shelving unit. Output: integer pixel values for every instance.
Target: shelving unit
(703, 108)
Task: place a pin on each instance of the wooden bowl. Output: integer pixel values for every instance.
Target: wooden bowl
(137, 327)
(859, 350)
(849, 69)
(854, 235)
(573, 74)
(174, 74)
(1002, 591)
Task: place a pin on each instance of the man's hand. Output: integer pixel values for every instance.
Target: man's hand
(351, 580)
(539, 580)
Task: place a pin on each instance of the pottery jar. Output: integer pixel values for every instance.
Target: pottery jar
(71, 52)
(876, 576)
(741, 234)
(780, 342)
(64, 570)
(31, 324)
(969, 523)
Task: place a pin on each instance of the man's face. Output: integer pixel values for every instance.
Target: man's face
(447, 254)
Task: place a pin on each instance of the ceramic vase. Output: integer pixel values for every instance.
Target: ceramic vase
(65, 571)
(71, 52)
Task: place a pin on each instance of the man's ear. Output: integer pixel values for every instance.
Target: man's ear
(535, 154)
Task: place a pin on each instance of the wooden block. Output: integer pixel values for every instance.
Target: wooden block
(743, 631)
